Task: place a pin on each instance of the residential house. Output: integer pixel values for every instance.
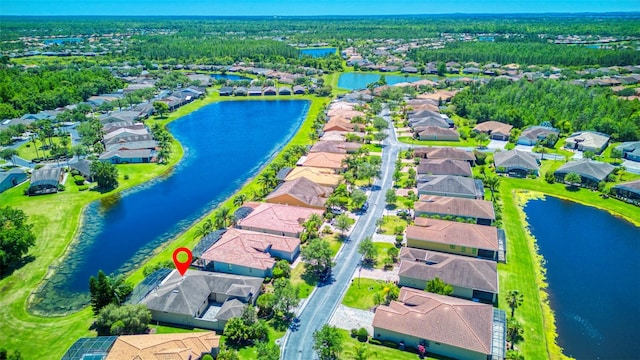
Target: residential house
(124, 132)
(325, 160)
(591, 172)
(443, 325)
(299, 90)
(226, 91)
(276, 219)
(127, 138)
(300, 192)
(516, 163)
(531, 135)
(83, 167)
(284, 91)
(132, 145)
(448, 185)
(630, 150)
(255, 91)
(496, 130)
(628, 191)
(181, 346)
(249, 253)
(446, 206)
(338, 124)
(11, 178)
(445, 153)
(45, 181)
(435, 133)
(320, 176)
(444, 167)
(419, 124)
(240, 91)
(454, 238)
(337, 147)
(202, 299)
(334, 135)
(128, 156)
(270, 91)
(471, 279)
(587, 141)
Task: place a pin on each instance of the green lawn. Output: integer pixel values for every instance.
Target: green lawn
(375, 351)
(389, 224)
(409, 140)
(382, 248)
(360, 293)
(28, 151)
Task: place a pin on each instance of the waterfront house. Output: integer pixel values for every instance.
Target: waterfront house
(435, 133)
(516, 163)
(202, 299)
(276, 219)
(495, 129)
(299, 90)
(249, 253)
(255, 91)
(444, 167)
(479, 210)
(320, 176)
(325, 160)
(11, 178)
(226, 91)
(471, 279)
(448, 185)
(45, 181)
(83, 167)
(270, 91)
(587, 141)
(128, 156)
(338, 124)
(284, 91)
(240, 91)
(180, 346)
(531, 135)
(630, 150)
(300, 192)
(444, 153)
(591, 172)
(454, 238)
(443, 325)
(337, 147)
(628, 191)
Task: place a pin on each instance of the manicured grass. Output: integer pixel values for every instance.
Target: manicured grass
(382, 248)
(28, 151)
(389, 224)
(375, 351)
(409, 140)
(168, 329)
(305, 286)
(360, 293)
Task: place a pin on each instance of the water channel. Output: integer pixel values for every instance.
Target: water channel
(593, 272)
(359, 81)
(225, 144)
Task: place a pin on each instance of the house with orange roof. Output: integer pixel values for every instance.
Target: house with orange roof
(249, 253)
(337, 123)
(276, 219)
(454, 238)
(300, 192)
(320, 176)
(443, 325)
(182, 346)
(325, 160)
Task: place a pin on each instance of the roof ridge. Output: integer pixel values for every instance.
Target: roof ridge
(463, 319)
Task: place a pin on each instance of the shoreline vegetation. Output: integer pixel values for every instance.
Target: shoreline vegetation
(525, 270)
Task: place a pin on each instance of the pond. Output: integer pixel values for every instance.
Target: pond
(231, 77)
(593, 274)
(225, 144)
(60, 41)
(359, 81)
(317, 52)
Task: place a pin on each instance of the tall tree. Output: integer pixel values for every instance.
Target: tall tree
(514, 300)
(285, 297)
(493, 183)
(317, 258)
(16, 236)
(368, 251)
(514, 331)
(573, 179)
(123, 320)
(8, 154)
(105, 290)
(160, 107)
(343, 223)
(106, 174)
(327, 342)
(205, 229)
(437, 286)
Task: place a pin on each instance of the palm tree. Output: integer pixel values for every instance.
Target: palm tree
(362, 352)
(203, 230)
(514, 331)
(8, 154)
(492, 182)
(482, 139)
(33, 139)
(239, 199)
(514, 300)
(222, 217)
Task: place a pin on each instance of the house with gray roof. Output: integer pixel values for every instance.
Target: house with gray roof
(629, 191)
(448, 206)
(449, 185)
(587, 141)
(630, 150)
(11, 178)
(591, 172)
(122, 156)
(516, 163)
(471, 279)
(444, 153)
(45, 181)
(417, 123)
(83, 167)
(435, 133)
(201, 299)
(531, 135)
(444, 167)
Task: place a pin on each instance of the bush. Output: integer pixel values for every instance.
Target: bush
(481, 158)
(61, 187)
(549, 178)
(83, 187)
(390, 344)
(79, 180)
(207, 357)
(373, 341)
(363, 335)
(75, 172)
(354, 333)
(126, 176)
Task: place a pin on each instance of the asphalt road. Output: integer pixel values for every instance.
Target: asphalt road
(323, 301)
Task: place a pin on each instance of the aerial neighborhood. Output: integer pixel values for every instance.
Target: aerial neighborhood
(391, 221)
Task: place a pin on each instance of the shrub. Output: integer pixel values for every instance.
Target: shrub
(390, 344)
(75, 172)
(363, 335)
(354, 333)
(61, 187)
(79, 180)
(481, 158)
(207, 357)
(126, 176)
(83, 187)
(373, 341)
(549, 178)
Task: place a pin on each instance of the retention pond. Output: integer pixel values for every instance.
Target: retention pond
(225, 144)
(593, 273)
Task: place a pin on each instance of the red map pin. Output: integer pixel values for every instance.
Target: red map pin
(182, 266)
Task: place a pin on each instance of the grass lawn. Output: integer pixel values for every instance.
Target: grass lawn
(360, 293)
(375, 351)
(305, 285)
(28, 151)
(382, 248)
(389, 224)
(334, 243)
(409, 140)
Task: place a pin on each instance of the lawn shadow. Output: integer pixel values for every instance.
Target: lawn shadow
(17, 265)
(572, 188)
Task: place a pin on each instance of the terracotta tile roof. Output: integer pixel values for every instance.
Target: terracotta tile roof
(325, 160)
(278, 218)
(454, 233)
(493, 127)
(302, 190)
(460, 271)
(337, 147)
(326, 177)
(334, 135)
(344, 113)
(444, 319)
(339, 124)
(444, 167)
(249, 248)
(447, 205)
(164, 346)
(444, 153)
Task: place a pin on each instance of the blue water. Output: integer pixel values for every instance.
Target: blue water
(359, 81)
(231, 77)
(62, 41)
(225, 144)
(593, 272)
(317, 52)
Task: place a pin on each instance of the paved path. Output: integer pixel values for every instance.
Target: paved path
(325, 299)
(349, 318)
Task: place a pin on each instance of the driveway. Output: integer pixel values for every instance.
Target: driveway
(349, 318)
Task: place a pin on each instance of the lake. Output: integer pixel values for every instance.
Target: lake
(231, 77)
(593, 272)
(225, 144)
(61, 41)
(317, 52)
(359, 81)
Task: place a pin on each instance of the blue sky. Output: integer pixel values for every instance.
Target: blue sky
(304, 7)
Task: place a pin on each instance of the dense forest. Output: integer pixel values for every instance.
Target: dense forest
(527, 53)
(568, 107)
(49, 87)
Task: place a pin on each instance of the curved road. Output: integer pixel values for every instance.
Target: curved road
(321, 304)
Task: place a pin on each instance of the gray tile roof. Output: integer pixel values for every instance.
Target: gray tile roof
(591, 169)
(447, 205)
(450, 185)
(516, 159)
(46, 176)
(444, 167)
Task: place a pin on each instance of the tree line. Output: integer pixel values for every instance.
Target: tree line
(568, 107)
